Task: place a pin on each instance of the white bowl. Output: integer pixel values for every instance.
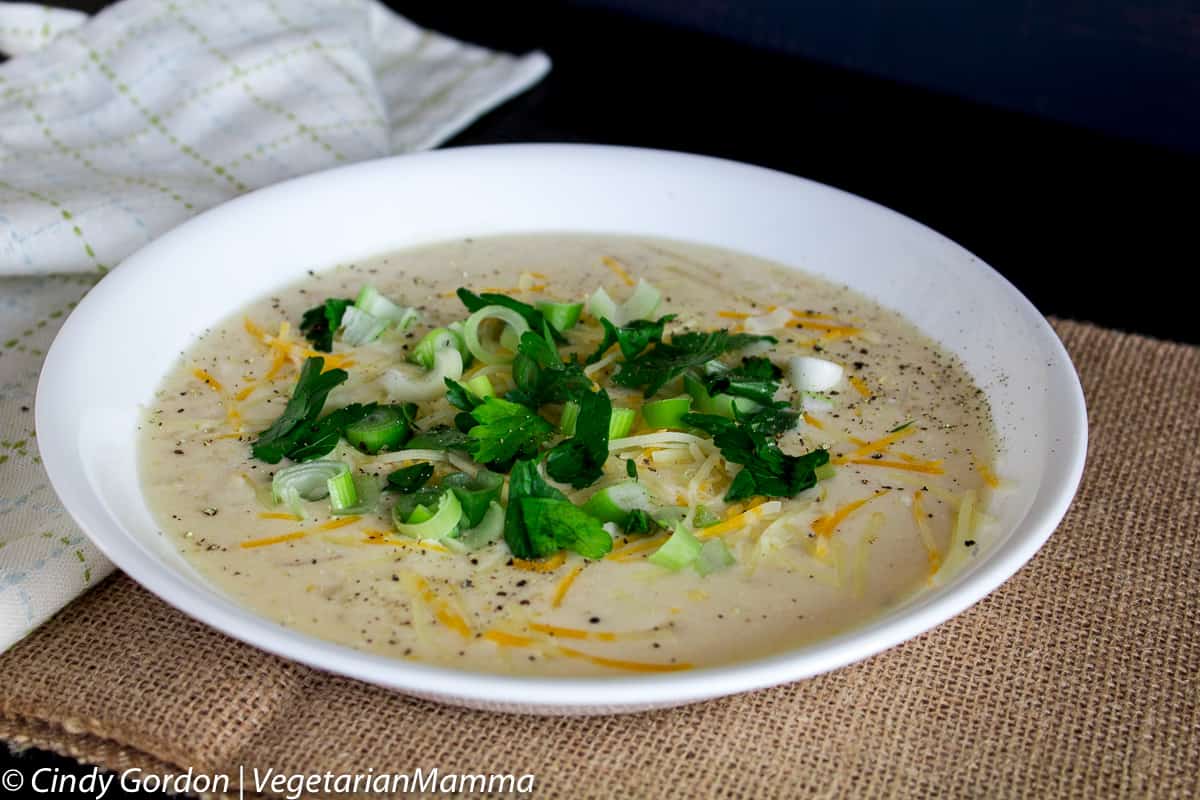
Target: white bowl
(119, 343)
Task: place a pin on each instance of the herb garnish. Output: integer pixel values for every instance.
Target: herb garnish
(669, 360)
(298, 433)
(540, 521)
(541, 377)
(766, 470)
(407, 480)
(633, 338)
(536, 320)
(506, 430)
(579, 460)
(320, 322)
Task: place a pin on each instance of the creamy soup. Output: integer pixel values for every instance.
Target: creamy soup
(701, 567)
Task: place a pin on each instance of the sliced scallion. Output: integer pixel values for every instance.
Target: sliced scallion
(615, 503)
(511, 320)
(825, 471)
(621, 422)
(370, 301)
(714, 555)
(305, 481)
(385, 428)
(359, 327)
(475, 493)
(678, 551)
(422, 523)
(410, 383)
(481, 387)
(343, 493)
(667, 413)
(562, 316)
(489, 530)
(437, 339)
(641, 305)
(570, 415)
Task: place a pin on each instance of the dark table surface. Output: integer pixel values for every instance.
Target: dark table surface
(1087, 226)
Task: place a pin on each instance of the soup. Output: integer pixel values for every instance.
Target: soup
(741, 460)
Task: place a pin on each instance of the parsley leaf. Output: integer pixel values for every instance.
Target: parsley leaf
(772, 421)
(554, 525)
(541, 377)
(579, 460)
(539, 520)
(408, 479)
(319, 323)
(633, 338)
(536, 321)
(506, 430)
(315, 439)
(671, 359)
(631, 468)
(756, 378)
(292, 428)
(766, 470)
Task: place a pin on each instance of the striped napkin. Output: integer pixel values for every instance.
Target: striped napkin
(115, 128)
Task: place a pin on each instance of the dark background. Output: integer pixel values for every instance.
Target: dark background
(1059, 141)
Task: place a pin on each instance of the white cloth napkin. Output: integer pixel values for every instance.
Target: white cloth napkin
(115, 128)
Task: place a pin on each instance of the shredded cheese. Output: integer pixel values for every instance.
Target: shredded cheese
(827, 524)
(560, 592)
(618, 269)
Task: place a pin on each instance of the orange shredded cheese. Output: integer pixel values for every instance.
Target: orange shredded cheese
(860, 385)
(733, 314)
(541, 565)
(811, 420)
(212, 382)
(572, 633)
(732, 523)
(618, 268)
(334, 524)
(441, 610)
(826, 525)
(879, 445)
(269, 540)
(506, 639)
(927, 467)
(986, 473)
(565, 585)
(615, 663)
(277, 515)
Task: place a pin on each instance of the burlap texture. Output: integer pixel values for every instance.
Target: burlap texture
(1078, 678)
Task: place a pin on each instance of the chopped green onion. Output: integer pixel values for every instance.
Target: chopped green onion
(343, 493)
(615, 503)
(570, 415)
(370, 301)
(641, 305)
(678, 551)
(512, 321)
(385, 428)
(901, 427)
(489, 530)
(419, 514)
(562, 316)
(359, 327)
(367, 489)
(481, 387)
(409, 382)
(621, 422)
(825, 471)
(705, 518)
(721, 404)
(436, 525)
(714, 555)
(475, 493)
(306, 481)
(667, 413)
(437, 339)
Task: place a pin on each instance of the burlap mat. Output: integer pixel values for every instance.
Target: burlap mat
(1078, 678)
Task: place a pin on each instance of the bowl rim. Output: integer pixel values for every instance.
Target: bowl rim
(539, 693)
